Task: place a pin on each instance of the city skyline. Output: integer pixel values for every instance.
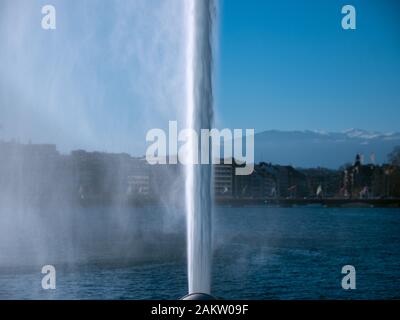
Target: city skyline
(97, 177)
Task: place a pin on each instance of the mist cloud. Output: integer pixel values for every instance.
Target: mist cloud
(107, 74)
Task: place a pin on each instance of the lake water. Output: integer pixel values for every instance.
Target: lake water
(259, 253)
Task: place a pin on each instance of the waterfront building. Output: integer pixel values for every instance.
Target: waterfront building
(262, 183)
(224, 175)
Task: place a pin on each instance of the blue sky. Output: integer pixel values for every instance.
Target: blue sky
(289, 65)
(113, 70)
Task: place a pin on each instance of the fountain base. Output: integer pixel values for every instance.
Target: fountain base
(198, 296)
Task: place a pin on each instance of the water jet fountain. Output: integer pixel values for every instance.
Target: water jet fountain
(199, 116)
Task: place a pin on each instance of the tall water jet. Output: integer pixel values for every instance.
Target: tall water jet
(199, 116)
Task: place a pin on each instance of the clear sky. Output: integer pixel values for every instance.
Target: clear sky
(112, 70)
(288, 65)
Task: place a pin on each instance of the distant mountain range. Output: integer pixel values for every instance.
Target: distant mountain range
(325, 149)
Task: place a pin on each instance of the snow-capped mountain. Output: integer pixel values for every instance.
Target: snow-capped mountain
(325, 149)
(363, 134)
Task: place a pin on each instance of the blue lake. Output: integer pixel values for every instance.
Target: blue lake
(259, 253)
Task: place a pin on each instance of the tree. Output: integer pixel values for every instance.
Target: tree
(394, 156)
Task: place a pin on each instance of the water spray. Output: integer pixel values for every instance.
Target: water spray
(199, 116)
